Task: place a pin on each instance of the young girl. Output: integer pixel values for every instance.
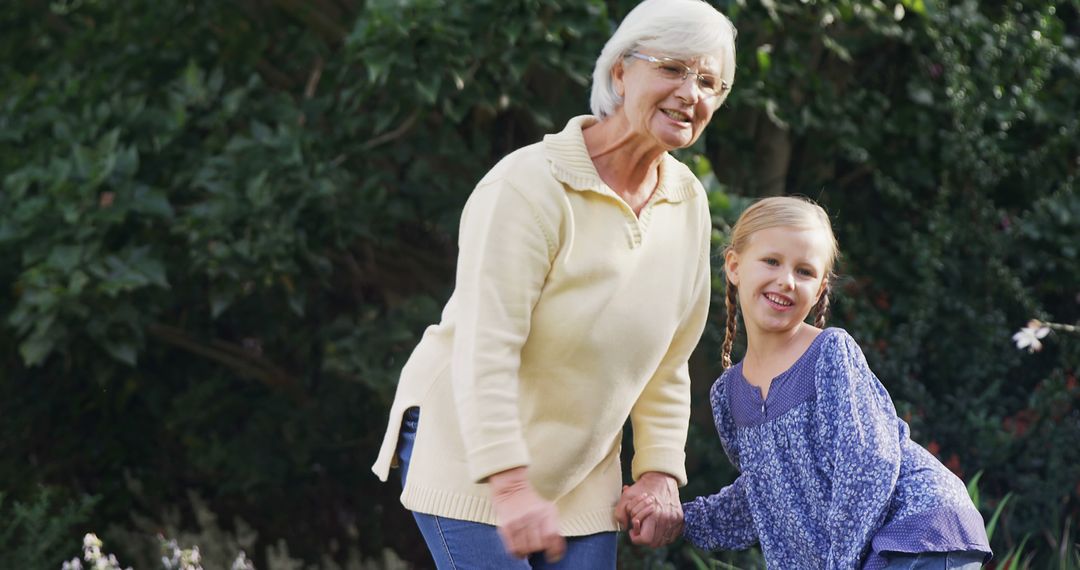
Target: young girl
(829, 477)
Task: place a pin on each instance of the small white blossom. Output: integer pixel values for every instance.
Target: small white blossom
(242, 563)
(1030, 336)
(91, 541)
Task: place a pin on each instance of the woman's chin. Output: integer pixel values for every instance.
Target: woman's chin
(673, 135)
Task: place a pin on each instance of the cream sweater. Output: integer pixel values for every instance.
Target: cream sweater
(569, 315)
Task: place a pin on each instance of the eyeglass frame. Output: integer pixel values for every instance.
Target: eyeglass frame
(724, 85)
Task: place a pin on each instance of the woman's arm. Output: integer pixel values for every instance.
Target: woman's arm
(505, 253)
(661, 417)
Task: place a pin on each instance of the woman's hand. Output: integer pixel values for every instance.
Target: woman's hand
(527, 523)
(651, 510)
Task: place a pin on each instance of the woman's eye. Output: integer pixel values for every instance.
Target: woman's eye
(671, 70)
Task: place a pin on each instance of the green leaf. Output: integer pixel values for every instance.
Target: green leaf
(77, 282)
(764, 57)
(973, 488)
(297, 302)
(835, 47)
(36, 349)
(65, 258)
(153, 202)
(123, 350)
(220, 300)
(992, 525)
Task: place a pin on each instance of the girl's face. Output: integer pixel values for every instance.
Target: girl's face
(668, 113)
(779, 275)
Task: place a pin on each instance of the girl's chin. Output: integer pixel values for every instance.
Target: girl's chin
(778, 324)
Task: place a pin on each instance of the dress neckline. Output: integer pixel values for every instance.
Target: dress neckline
(783, 375)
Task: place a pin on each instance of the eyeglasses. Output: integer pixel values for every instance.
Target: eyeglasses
(676, 70)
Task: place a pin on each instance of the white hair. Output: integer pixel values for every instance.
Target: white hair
(680, 29)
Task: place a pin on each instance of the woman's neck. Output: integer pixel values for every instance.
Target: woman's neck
(624, 162)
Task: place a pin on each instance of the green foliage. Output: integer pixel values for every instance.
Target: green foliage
(36, 533)
(223, 227)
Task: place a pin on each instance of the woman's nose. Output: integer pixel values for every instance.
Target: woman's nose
(689, 91)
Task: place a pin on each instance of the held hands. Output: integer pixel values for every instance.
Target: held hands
(650, 508)
(527, 522)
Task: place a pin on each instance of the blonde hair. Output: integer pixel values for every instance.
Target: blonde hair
(784, 212)
(681, 29)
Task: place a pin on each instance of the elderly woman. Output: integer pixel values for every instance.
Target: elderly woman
(582, 288)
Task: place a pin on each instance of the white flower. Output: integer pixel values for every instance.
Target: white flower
(242, 563)
(91, 540)
(1029, 336)
(73, 564)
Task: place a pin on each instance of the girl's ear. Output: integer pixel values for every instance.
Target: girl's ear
(731, 266)
(823, 288)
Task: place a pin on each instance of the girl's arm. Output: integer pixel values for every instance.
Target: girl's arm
(855, 415)
(721, 521)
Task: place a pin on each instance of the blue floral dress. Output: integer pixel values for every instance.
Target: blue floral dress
(829, 476)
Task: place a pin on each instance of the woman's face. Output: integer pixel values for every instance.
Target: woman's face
(670, 113)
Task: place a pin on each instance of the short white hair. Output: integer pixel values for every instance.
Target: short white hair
(681, 29)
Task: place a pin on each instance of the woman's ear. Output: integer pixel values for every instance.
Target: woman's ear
(731, 266)
(617, 72)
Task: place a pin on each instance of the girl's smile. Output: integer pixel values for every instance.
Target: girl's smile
(778, 301)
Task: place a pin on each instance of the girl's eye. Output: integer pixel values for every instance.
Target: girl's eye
(806, 272)
(771, 261)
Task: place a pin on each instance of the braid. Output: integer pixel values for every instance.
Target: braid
(821, 309)
(731, 303)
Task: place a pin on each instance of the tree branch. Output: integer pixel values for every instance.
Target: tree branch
(394, 134)
(234, 357)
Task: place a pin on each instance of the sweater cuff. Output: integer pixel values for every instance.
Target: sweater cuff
(668, 460)
(496, 458)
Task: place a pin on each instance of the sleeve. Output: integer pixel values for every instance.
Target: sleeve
(721, 521)
(505, 252)
(856, 415)
(722, 418)
(661, 415)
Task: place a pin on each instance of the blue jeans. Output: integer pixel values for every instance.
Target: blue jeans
(465, 545)
(935, 561)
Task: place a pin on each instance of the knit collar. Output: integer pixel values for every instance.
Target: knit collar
(571, 165)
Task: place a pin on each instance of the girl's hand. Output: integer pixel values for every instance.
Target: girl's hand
(651, 510)
(526, 522)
